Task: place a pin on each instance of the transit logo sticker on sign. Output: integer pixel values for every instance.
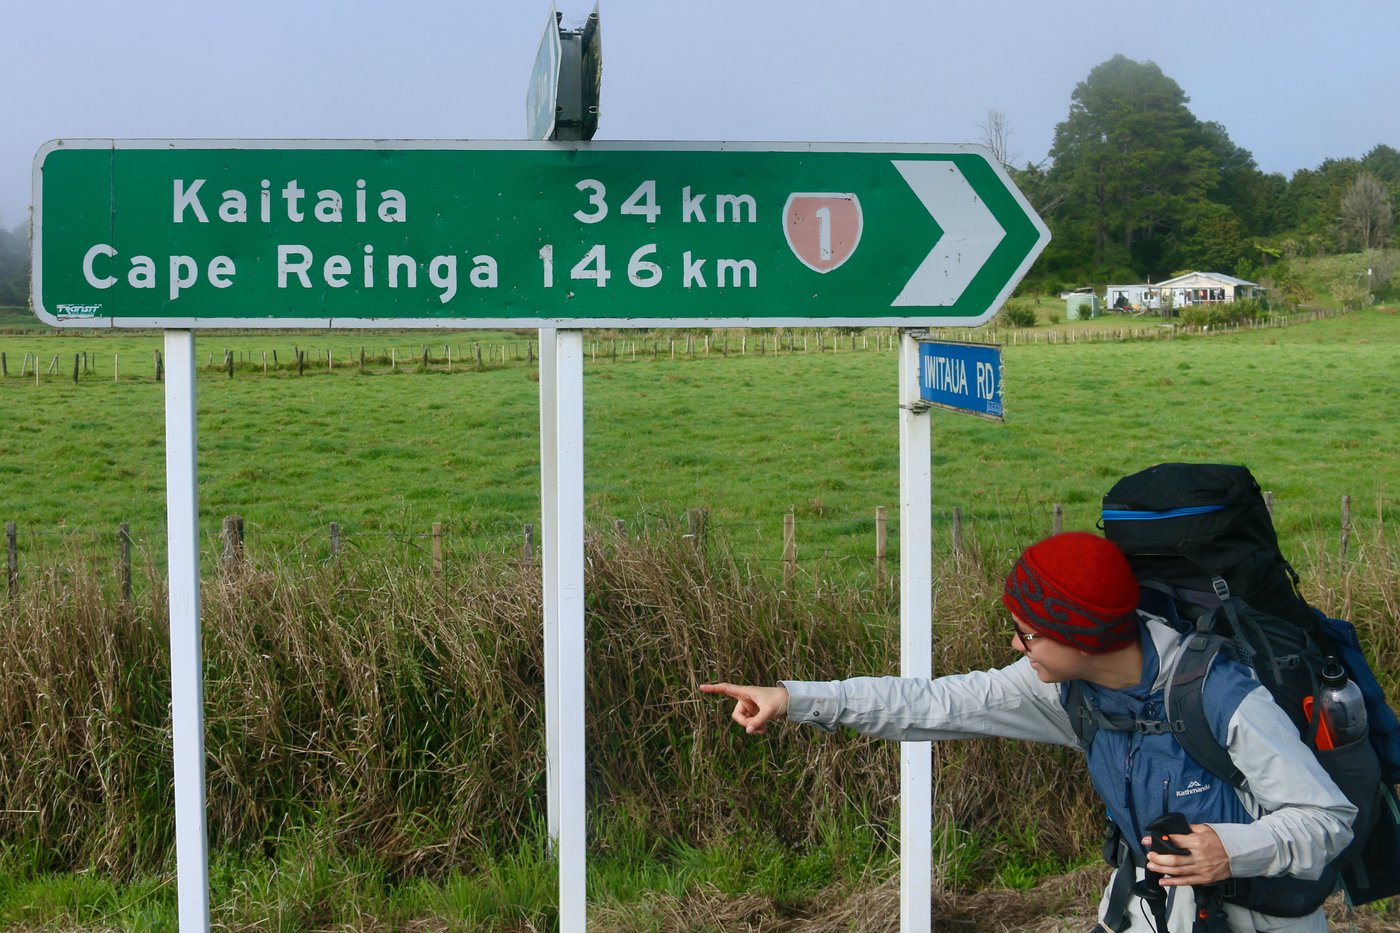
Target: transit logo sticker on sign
(358, 233)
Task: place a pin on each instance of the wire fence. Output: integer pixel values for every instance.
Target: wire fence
(602, 347)
(802, 549)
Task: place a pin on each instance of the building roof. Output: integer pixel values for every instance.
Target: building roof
(1214, 276)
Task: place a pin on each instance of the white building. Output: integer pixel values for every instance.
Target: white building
(1204, 288)
(1193, 288)
(1132, 298)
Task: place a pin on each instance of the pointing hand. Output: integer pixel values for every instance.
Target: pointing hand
(753, 706)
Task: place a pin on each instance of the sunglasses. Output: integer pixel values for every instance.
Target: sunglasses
(1026, 637)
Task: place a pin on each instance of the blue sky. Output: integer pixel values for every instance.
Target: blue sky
(1293, 82)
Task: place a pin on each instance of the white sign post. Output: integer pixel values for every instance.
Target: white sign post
(561, 445)
(915, 639)
(561, 526)
(186, 656)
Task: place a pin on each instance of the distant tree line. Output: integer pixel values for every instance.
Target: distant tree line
(1136, 186)
(14, 266)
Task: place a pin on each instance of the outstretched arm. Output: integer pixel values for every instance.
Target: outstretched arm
(753, 706)
(1010, 702)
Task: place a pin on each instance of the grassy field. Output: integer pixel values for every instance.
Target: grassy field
(387, 453)
(373, 729)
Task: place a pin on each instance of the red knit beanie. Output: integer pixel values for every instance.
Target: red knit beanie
(1076, 588)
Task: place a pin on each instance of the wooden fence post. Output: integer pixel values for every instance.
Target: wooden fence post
(12, 559)
(1057, 521)
(1269, 502)
(124, 560)
(789, 547)
(881, 545)
(957, 531)
(527, 550)
(335, 539)
(437, 548)
(233, 540)
(1346, 525)
(696, 521)
(75, 369)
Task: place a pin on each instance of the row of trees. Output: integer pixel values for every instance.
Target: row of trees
(14, 267)
(1136, 186)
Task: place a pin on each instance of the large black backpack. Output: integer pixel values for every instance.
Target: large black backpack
(1202, 544)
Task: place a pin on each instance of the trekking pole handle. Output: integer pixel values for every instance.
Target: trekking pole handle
(1165, 826)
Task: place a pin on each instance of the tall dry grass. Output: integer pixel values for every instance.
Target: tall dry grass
(399, 713)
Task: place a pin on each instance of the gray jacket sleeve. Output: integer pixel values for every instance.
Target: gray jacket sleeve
(1010, 702)
(1302, 820)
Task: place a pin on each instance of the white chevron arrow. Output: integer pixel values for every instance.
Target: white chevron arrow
(970, 234)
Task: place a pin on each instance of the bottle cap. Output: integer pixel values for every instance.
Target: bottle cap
(1333, 673)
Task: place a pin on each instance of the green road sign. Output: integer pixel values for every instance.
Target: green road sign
(357, 233)
(541, 99)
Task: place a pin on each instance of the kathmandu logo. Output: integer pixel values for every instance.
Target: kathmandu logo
(78, 310)
(1195, 787)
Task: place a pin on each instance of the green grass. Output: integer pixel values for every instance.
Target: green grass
(312, 884)
(748, 437)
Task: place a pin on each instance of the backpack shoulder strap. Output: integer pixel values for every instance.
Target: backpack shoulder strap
(1081, 714)
(1185, 703)
(1087, 719)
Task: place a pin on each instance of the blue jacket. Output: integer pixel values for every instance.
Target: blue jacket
(1289, 818)
(1141, 776)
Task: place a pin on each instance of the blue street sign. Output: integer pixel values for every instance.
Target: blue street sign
(961, 377)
